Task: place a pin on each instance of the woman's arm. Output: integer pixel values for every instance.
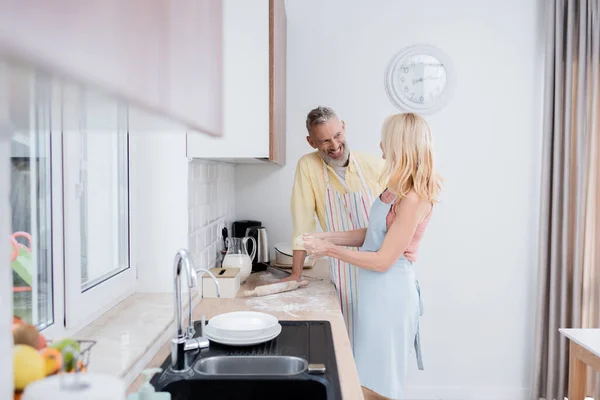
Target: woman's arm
(354, 238)
(394, 244)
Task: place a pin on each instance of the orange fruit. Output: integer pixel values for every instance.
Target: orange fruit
(81, 367)
(52, 360)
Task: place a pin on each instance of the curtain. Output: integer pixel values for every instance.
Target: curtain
(569, 258)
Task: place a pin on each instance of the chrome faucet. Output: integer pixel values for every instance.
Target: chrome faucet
(184, 340)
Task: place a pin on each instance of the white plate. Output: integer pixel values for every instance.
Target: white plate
(242, 322)
(270, 334)
(238, 335)
(213, 333)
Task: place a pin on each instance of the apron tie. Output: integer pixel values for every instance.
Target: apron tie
(418, 335)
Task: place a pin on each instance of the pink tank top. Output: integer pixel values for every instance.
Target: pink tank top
(412, 250)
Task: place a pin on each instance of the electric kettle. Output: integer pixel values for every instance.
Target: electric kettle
(262, 244)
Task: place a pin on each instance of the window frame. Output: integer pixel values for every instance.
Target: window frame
(57, 328)
(55, 111)
(83, 306)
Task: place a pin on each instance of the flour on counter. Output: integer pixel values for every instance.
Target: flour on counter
(310, 298)
(268, 278)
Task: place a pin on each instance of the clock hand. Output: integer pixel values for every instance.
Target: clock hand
(426, 78)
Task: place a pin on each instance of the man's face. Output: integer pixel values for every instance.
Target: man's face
(329, 138)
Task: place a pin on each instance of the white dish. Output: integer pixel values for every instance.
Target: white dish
(242, 323)
(284, 254)
(265, 336)
(285, 249)
(237, 335)
(210, 332)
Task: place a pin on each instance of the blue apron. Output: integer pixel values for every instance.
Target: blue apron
(387, 328)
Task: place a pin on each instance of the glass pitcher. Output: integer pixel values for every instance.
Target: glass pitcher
(237, 255)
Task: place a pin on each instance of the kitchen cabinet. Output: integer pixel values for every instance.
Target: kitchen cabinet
(195, 67)
(254, 90)
(163, 56)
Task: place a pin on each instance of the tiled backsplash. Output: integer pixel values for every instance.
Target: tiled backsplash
(211, 207)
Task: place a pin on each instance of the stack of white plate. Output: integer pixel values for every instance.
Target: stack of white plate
(242, 328)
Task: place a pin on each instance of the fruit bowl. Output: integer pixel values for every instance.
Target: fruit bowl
(74, 360)
(35, 358)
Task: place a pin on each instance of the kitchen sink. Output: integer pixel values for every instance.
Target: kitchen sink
(233, 389)
(299, 364)
(251, 365)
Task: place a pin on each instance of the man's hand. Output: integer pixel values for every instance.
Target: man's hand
(292, 277)
(297, 266)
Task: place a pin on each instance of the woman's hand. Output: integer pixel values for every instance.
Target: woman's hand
(299, 240)
(316, 246)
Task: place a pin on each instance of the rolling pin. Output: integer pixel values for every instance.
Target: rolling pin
(273, 288)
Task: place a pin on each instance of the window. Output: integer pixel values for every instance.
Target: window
(70, 202)
(104, 189)
(31, 202)
(97, 268)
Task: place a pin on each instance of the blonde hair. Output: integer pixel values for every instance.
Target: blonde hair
(409, 160)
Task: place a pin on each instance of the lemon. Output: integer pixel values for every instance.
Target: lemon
(28, 365)
(52, 359)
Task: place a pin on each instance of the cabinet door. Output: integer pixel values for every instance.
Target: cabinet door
(195, 64)
(277, 80)
(246, 85)
(118, 46)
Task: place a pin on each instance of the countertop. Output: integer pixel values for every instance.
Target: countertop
(130, 333)
(589, 339)
(317, 301)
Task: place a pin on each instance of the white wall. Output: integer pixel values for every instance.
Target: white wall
(211, 207)
(478, 260)
(159, 196)
(175, 203)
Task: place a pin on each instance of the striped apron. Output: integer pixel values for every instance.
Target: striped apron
(345, 212)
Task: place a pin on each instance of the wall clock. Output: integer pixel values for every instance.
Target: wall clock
(420, 79)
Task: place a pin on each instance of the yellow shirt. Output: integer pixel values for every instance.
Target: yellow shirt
(308, 193)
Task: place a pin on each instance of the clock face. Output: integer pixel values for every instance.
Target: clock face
(419, 80)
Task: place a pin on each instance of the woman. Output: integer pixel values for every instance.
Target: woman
(390, 304)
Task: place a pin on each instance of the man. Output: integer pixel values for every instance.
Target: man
(339, 187)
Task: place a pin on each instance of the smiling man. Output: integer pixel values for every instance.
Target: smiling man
(338, 186)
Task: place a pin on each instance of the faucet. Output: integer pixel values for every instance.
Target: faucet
(184, 340)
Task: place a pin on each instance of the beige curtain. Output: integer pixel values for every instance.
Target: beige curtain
(569, 259)
(590, 305)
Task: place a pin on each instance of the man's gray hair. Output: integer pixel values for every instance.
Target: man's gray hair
(319, 115)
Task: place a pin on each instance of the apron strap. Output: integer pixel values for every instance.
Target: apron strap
(362, 177)
(418, 335)
(363, 181)
(325, 174)
(418, 350)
